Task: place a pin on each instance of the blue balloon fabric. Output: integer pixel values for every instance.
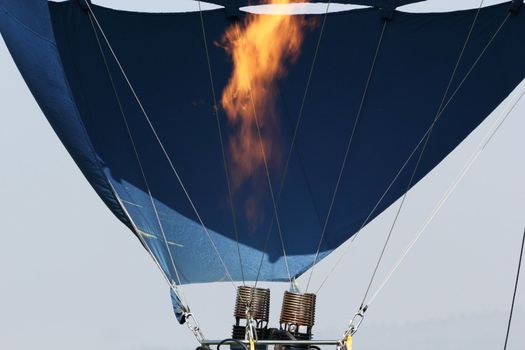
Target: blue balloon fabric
(56, 50)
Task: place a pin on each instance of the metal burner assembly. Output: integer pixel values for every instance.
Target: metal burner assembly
(251, 305)
(252, 311)
(297, 316)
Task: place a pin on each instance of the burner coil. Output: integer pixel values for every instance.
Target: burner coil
(298, 309)
(256, 300)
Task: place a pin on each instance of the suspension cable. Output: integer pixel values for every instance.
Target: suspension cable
(294, 136)
(425, 144)
(270, 186)
(263, 152)
(166, 155)
(189, 318)
(359, 316)
(515, 291)
(221, 140)
(482, 145)
(347, 152)
(136, 230)
(177, 287)
(365, 222)
(420, 142)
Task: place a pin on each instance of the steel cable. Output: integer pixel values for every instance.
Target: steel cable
(416, 167)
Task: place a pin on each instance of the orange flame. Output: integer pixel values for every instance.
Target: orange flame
(259, 47)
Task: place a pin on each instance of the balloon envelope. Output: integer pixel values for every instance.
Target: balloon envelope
(163, 55)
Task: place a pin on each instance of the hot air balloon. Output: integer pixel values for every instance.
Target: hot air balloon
(246, 147)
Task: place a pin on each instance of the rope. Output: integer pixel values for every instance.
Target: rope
(412, 177)
(168, 158)
(420, 142)
(225, 164)
(267, 172)
(270, 186)
(475, 63)
(515, 290)
(483, 144)
(294, 136)
(347, 152)
(139, 162)
(373, 210)
(145, 244)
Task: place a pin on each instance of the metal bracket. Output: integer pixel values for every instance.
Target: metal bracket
(193, 326)
(356, 321)
(251, 333)
(84, 4)
(299, 343)
(387, 12)
(232, 10)
(516, 6)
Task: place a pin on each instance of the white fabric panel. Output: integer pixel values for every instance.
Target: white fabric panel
(153, 6)
(427, 6)
(430, 6)
(301, 8)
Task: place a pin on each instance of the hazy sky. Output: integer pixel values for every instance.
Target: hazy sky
(73, 277)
